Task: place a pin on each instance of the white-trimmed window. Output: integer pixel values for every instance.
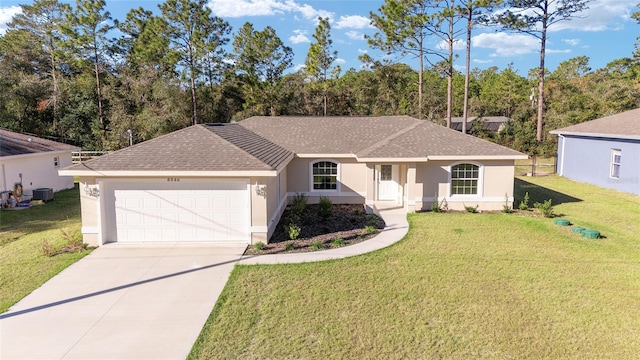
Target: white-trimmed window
(616, 157)
(465, 179)
(324, 175)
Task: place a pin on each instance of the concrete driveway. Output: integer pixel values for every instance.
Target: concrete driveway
(120, 302)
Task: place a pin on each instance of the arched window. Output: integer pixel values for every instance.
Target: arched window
(325, 175)
(464, 179)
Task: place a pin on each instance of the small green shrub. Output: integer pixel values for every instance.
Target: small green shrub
(372, 220)
(289, 245)
(524, 204)
(293, 230)
(325, 207)
(259, 246)
(298, 204)
(471, 209)
(506, 208)
(545, 208)
(337, 242)
(317, 245)
(369, 229)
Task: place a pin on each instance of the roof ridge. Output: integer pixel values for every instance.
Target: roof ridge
(252, 149)
(389, 138)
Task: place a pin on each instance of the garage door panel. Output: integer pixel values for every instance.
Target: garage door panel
(144, 214)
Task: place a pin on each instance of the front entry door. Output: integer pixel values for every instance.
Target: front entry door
(388, 182)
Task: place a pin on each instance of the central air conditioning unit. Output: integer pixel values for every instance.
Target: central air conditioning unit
(44, 194)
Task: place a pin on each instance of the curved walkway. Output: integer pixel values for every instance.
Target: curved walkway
(395, 229)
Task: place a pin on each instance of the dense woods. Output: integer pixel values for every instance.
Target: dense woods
(82, 77)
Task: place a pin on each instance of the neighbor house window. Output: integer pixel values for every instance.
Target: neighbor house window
(464, 179)
(325, 175)
(56, 163)
(616, 156)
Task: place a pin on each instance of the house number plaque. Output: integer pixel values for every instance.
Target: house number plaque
(173, 179)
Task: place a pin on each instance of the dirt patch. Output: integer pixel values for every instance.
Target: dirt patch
(348, 224)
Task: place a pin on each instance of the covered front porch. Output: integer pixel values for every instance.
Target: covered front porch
(390, 185)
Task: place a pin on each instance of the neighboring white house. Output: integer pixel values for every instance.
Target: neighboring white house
(33, 162)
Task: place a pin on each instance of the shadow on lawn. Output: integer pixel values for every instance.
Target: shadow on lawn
(539, 193)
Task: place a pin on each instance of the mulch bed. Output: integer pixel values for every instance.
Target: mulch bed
(347, 222)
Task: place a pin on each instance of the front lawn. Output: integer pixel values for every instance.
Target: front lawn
(460, 285)
(27, 235)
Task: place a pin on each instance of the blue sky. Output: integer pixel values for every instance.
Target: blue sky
(603, 33)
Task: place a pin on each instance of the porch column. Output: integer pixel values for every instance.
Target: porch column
(371, 188)
(410, 189)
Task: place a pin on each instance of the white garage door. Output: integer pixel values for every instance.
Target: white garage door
(178, 210)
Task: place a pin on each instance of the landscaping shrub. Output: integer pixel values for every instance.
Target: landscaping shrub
(369, 229)
(506, 208)
(293, 230)
(317, 245)
(524, 204)
(259, 246)
(299, 203)
(372, 220)
(337, 242)
(545, 208)
(325, 207)
(289, 245)
(471, 209)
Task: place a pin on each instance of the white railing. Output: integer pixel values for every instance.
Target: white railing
(80, 156)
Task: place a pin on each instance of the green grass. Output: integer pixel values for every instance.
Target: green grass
(23, 264)
(458, 286)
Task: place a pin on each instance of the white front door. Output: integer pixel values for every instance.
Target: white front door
(388, 182)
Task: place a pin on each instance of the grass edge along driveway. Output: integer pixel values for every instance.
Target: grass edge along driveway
(459, 285)
(24, 235)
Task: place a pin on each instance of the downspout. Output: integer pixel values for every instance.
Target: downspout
(561, 169)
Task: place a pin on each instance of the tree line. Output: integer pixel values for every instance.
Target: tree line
(63, 76)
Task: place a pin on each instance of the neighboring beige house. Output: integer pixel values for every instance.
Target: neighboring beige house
(33, 162)
(231, 182)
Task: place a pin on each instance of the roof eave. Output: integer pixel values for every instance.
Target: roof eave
(479, 157)
(595, 135)
(167, 173)
(39, 153)
(392, 159)
(325, 155)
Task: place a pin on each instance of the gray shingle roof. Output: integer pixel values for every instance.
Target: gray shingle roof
(13, 143)
(326, 135)
(625, 125)
(491, 123)
(371, 137)
(269, 143)
(432, 140)
(196, 148)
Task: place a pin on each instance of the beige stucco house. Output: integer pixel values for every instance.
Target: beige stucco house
(33, 162)
(231, 182)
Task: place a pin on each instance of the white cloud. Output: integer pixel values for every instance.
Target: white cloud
(558, 51)
(602, 15)
(505, 44)
(355, 35)
(458, 44)
(340, 61)
(242, 8)
(299, 37)
(478, 61)
(353, 22)
(363, 51)
(571, 42)
(6, 14)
